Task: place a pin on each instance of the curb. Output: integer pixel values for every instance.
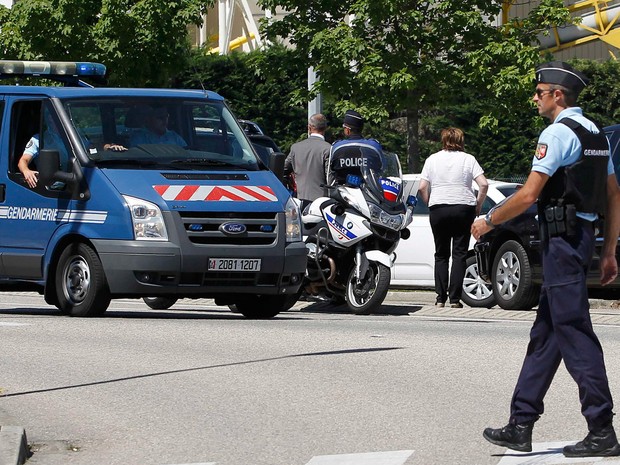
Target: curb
(13, 445)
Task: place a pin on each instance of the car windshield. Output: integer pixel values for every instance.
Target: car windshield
(509, 190)
(156, 132)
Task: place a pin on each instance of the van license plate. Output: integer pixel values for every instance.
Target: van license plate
(234, 264)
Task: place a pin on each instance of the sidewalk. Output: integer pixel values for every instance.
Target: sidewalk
(415, 303)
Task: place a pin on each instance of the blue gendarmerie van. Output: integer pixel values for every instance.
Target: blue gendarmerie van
(145, 193)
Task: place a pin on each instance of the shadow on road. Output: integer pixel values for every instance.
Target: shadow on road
(359, 350)
(385, 309)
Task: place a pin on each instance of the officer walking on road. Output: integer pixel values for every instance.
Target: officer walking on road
(573, 179)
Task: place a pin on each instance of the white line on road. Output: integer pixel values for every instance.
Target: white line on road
(14, 324)
(398, 457)
(550, 453)
(203, 463)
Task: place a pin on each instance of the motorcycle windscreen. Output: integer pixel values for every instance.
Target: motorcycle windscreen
(386, 183)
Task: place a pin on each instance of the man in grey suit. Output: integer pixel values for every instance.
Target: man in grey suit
(308, 160)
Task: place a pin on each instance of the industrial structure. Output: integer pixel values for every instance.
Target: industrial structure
(596, 37)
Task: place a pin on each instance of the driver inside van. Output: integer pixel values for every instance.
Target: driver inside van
(156, 130)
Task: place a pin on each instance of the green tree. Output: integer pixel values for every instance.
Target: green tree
(402, 57)
(257, 86)
(143, 42)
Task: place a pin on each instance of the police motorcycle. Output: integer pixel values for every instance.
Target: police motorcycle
(351, 234)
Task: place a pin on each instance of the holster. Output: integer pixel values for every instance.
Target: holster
(560, 220)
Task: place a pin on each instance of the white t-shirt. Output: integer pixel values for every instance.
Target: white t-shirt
(450, 175)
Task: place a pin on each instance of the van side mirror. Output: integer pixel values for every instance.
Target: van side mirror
(48, 162)
(276, 164)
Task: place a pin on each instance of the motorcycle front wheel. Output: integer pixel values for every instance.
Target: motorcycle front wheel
(366, 296)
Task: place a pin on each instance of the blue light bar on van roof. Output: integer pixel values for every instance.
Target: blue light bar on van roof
(51, 68)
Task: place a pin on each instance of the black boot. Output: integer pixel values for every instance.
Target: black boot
(599, 443)
(515, 437)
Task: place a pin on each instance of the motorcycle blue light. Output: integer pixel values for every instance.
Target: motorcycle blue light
(266, 228)
(353, 180)
(412, 201)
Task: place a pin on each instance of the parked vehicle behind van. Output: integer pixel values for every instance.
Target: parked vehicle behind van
(509, 256)
(188, 212)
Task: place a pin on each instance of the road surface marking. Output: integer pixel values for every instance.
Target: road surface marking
(398, 457)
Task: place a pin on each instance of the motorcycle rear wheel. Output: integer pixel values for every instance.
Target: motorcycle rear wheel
(367, 296)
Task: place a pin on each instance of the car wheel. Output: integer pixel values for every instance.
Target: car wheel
(476, 291)
(512, 278)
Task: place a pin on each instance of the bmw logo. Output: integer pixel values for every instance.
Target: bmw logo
(233, 228)
(349, 225)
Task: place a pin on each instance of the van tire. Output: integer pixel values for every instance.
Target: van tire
(80, 282)
(160, 303)
(262, 307)
(513, 287)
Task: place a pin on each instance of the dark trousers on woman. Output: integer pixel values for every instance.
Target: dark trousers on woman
(451, 225)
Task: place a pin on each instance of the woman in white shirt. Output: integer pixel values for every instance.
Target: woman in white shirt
(446, 187)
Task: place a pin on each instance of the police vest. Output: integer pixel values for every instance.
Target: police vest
(352, 155)
(584, 183)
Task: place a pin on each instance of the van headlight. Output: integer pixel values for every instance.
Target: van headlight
(147, 220)
(293, 221)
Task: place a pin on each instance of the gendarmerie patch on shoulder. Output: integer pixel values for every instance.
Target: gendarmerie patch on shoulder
(29, 144)
(541, 151)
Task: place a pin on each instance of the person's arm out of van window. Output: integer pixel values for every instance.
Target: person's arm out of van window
(30, 176)
(30, 152)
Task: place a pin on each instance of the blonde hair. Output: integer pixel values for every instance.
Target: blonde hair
(453, 139)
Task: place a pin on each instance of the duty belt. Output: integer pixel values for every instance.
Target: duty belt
(560, 220)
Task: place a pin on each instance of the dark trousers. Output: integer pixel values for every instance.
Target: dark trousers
(451, 224)
(563, 331)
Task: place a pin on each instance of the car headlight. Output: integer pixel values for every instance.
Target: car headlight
(293, 221)
(381, 217)
(147, 220)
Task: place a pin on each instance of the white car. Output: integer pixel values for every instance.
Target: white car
(415, 257)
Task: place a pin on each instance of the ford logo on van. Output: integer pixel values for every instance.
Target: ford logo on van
(233, 228)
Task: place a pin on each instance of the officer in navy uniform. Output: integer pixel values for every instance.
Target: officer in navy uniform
(348, 154)
(573, 179)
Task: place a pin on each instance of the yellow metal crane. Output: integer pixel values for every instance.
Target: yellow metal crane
(599, 21)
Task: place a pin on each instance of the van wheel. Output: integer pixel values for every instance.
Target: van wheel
(81, 286)
(476, 291)
(160, 303)
(262, 307)
(512, 278)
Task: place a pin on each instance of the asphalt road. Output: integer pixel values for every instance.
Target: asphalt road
(315, 386)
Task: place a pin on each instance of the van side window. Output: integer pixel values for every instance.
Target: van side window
(25, 118)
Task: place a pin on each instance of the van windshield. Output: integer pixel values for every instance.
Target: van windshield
(177, 133)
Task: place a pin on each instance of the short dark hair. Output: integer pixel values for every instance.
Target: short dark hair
(570, 97)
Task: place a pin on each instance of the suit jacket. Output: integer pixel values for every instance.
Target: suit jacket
(308, 161)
